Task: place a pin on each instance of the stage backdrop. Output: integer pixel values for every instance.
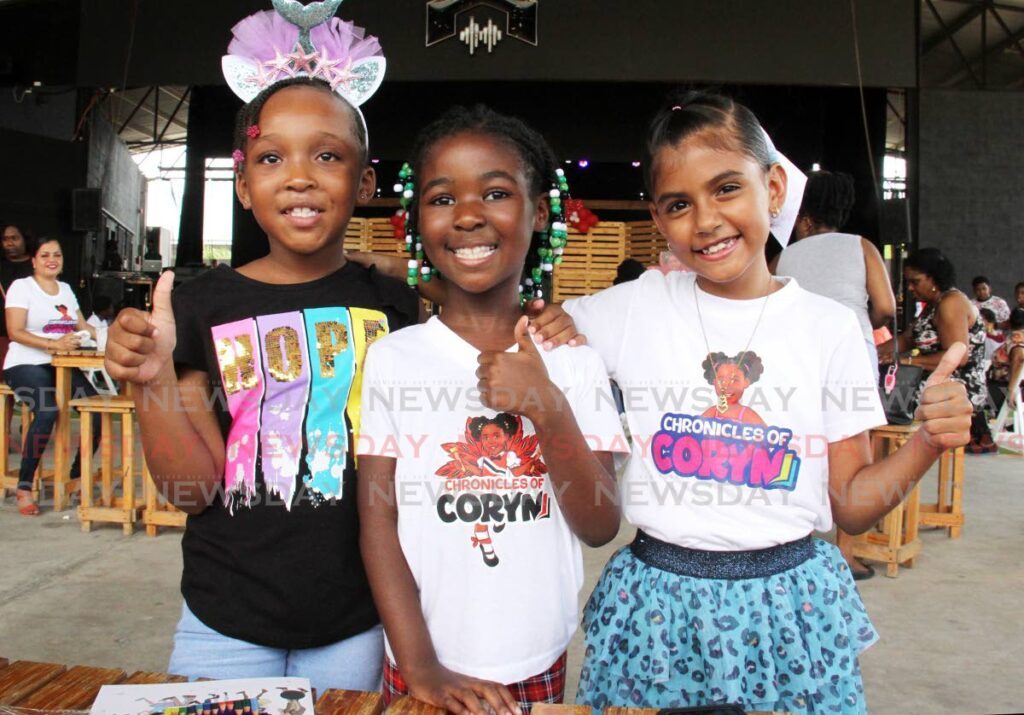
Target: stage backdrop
(740, 41)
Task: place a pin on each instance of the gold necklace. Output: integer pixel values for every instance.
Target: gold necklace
(723, 400)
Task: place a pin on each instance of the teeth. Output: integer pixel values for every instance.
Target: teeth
(474, 252)
(718, 247)
(302, 212)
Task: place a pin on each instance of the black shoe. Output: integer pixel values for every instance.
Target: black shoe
(863, 575)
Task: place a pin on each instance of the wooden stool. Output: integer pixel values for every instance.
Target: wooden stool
(8, 475)
(158, 512)
(897, 542)
(123, 510)
(948, 511)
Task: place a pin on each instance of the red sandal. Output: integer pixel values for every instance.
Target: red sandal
(29, 509)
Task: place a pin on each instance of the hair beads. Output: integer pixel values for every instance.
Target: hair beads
(551, 243)
(418, 267)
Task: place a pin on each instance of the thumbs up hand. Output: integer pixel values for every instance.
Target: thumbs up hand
(140, 344)
(944, 410)
(517, 382)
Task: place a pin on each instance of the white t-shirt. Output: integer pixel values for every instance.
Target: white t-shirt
(497, 567)
(49, 316)
(756, 476)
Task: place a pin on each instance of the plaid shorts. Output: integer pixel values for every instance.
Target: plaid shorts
(546, 687)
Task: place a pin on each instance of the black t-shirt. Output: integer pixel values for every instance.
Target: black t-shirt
(11, 271)
(275, 559)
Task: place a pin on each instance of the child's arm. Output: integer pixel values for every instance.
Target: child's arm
(180, 435)
(395, 594)
(861, 493)
(582, 480)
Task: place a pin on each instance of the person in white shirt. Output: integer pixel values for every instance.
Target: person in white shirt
(724, 595)
(983, 298)
(483, 461)
(42, 314)
(102, 312)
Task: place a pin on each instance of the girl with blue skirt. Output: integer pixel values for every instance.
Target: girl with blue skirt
(749, 401)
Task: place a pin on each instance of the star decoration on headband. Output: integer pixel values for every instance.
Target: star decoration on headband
(281, 64)
(303, 62)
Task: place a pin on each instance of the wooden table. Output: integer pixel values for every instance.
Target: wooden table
(51, 686)
(65, 361)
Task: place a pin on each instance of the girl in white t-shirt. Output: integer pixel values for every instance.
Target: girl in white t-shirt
(483, 462)
(42, 315)
(724, 597)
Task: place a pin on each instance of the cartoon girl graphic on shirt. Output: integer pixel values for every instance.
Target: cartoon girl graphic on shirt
(730, 376)
(494, 435)
(63, 325)
(494, 447)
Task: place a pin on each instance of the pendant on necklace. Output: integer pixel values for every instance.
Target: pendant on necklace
(723, 403)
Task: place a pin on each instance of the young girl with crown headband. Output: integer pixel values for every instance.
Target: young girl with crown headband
(724, 596)
(476, 476)
(248, 379)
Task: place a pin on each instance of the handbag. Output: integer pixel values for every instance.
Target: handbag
(897, 387)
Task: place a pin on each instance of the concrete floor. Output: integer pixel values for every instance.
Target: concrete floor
(952, 627)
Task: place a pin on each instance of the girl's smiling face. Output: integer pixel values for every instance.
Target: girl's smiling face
(476, 212)
(713, 204)
(303, 175)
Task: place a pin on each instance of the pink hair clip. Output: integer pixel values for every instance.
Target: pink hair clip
(239, 156)
(253, 132)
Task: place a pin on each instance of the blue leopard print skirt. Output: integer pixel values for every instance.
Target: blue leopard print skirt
(786, 642)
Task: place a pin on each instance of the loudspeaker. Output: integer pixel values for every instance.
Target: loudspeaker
(85, 209)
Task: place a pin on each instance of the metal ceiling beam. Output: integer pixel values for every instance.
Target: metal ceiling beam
(996, 49)
(965, 19)
(952, 40)
(1007, 30)
(138, 105)
(171, 118)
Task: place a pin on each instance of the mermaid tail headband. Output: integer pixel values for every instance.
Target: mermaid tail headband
(296, 40)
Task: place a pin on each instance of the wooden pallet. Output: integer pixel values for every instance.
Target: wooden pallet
(380, 237)
(644, 243)
(356, 235)
(590, 260)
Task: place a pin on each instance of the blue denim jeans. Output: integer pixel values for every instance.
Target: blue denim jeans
(352, 664)
(36, 385)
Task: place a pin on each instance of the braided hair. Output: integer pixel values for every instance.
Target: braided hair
(828, 198)
(542, 175)
(249, 114)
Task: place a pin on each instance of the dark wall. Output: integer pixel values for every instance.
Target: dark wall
(738, 41)
(971, 184)
(810, 124)
(35, 189)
